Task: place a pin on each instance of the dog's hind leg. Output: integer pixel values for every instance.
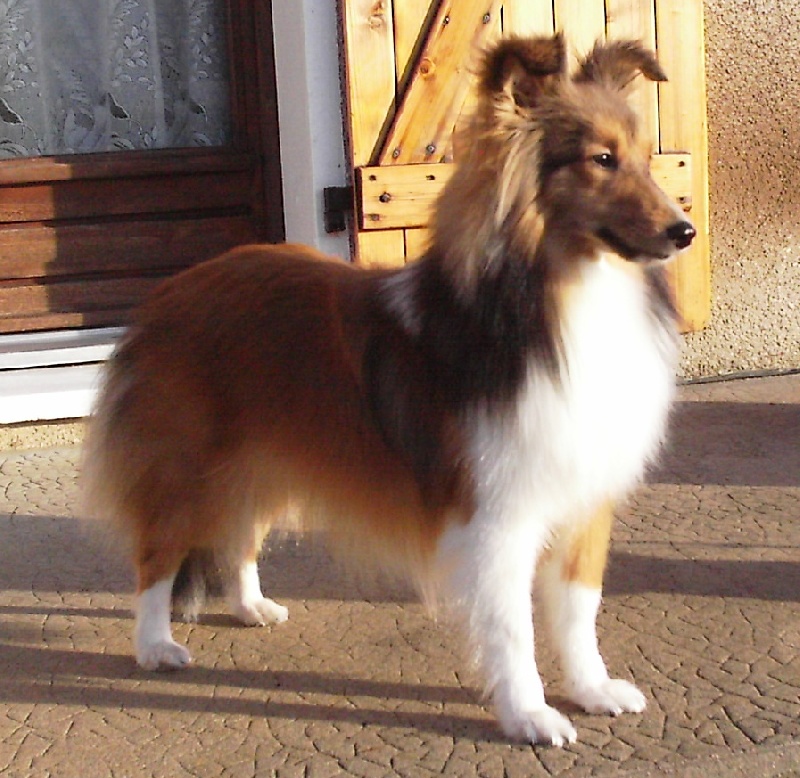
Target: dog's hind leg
(570, 581)
(154, 645)
(245, 598)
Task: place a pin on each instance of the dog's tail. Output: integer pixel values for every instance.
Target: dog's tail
(199, 576)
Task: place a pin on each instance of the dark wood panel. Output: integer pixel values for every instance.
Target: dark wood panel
(127, 164)
(30, 299)
(91, 274)
(57, 321)
(84, 199)
(71, 303)
(34, 251)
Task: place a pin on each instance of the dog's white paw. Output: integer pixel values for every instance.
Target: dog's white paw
(162, 655)
(543, 726)
(259, 612)
(613, 696)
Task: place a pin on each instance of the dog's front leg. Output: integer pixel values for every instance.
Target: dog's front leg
(570, 581)
(489, 565)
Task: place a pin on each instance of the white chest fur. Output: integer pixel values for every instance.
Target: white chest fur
(570, 442)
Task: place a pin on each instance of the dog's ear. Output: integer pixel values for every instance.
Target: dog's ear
(616, 64)
(522, 68)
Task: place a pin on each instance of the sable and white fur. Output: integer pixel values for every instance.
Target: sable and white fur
(465, 419)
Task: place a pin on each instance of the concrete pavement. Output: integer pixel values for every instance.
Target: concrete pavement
(702, 610)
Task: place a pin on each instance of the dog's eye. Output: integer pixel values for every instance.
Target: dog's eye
(606, 160)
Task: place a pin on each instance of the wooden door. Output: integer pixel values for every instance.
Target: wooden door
(409, 67)
(84, 237)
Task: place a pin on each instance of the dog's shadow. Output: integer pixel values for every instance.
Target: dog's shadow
(55, 554)
(46, 676)
(65, 568)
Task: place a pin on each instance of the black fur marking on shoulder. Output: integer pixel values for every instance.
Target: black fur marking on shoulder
(479, 350)
(445, 354)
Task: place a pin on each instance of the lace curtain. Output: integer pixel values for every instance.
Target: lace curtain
(80, 76)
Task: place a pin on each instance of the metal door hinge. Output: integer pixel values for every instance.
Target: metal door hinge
(337, 202)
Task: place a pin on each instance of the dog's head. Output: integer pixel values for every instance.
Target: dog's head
(571, 148)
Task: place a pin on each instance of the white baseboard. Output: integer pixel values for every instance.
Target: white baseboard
(51, 375)
(47, 393)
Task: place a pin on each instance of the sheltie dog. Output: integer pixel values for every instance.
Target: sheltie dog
(469, 419)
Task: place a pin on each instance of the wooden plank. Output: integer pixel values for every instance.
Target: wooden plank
(470, 102)
(73, 297)
(381, 248)
(411, 23)
(106, 317)
(673, 173)
(682, 123)
(34, 250)
(85, 199)
(417, 241)
(528, 17)
(441, 79)
(636, 19)
(257, 113)
(130, 164)
(396, 196)
(582, 21)
(409, 20)
(371, 78)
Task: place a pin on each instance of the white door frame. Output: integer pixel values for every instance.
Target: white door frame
(310, 100)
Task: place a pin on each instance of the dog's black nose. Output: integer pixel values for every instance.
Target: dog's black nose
(681, 234)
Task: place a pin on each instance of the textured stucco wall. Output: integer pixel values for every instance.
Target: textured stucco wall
(754, 176)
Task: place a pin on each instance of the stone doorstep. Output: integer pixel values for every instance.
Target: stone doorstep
(54, 434)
